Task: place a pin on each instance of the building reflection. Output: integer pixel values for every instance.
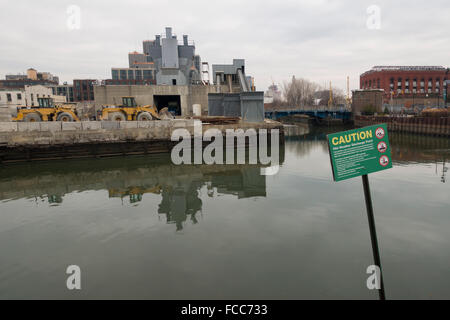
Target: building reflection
(179, 187)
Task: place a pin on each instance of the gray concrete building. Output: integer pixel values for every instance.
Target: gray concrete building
(164, 61)
(229, 74)
(168, 73)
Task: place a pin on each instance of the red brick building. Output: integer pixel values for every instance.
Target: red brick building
(406, 81)
(83, 89)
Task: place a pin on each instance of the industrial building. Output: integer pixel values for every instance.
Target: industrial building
(412, 85)
(229, 74)
(169, 73)
(164, 61)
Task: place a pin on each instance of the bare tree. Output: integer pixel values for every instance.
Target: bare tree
(299, 92)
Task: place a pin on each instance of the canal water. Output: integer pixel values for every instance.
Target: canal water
(140, 227)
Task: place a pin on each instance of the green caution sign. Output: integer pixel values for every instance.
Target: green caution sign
(358, 152)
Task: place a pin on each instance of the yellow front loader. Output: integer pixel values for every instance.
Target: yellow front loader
(129, 111)
(46, 111)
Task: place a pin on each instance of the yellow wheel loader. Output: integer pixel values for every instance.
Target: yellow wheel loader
(46, 111)
(129, 111)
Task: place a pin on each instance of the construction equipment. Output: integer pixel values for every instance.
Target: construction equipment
(129, 111)
(330, 101)
(348, 99)
(46, 111)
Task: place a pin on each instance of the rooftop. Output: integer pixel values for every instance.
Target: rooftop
(404, 68)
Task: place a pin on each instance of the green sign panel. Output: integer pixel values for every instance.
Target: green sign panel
(361, 151)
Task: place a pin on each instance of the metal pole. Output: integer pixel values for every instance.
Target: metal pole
(373, 233)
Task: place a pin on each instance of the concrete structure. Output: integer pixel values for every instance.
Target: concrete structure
(179, 99)
(406, 81)
(164, 61)
(229, 74)
(33, 141)
(247, 105)
(367, 101)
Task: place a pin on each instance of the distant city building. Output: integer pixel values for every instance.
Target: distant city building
(32, 77)
(272, 94)
(83, 89)
(406, 81)
(64, 90)
(164, 61)
(133, 75)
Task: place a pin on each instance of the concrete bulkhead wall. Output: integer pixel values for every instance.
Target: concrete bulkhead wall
(72, 133)
(189, 95)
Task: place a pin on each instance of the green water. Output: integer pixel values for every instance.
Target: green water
(140, 227)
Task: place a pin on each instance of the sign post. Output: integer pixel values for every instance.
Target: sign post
(357, 153)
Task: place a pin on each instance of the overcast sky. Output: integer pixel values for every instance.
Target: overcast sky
(319, 40)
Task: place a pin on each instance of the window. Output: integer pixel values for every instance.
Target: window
(8, 97)
(19, 96)
(138, 74)
(174, 82)
(123, 74)
(148, 75)
(130, 74)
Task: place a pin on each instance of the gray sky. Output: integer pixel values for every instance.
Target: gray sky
(319, 40)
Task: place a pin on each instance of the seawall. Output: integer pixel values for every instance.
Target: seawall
(25, 141)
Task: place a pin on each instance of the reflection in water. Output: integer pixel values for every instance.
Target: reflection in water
(269, 237)
(178, 186)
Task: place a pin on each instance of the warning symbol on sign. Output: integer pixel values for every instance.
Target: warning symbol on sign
(382, 147)
(380, 133)
(384, 161)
